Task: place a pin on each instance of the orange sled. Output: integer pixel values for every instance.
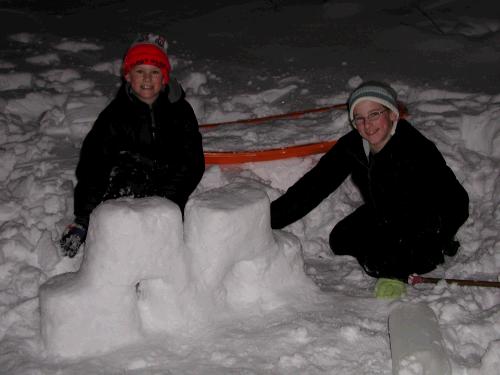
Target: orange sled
(239, 157)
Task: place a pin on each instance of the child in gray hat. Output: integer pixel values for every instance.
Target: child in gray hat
(413, 203)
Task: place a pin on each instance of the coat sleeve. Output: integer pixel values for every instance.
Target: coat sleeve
(187, 172)
(312, 188)
(93, 170)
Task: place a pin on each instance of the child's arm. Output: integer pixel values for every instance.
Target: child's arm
(189, 169)
(93, 170)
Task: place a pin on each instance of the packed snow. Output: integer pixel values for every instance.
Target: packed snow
(266, 302)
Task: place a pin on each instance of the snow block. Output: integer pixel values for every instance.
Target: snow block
(95, 309)
(235, 262)
(168, 305)
(130, 240)
(224, 226)
(80, 320)
(416, 341)
(145, 272)
(237, 259)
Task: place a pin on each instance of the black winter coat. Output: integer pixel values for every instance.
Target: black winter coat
(406, 184)
(134, 149)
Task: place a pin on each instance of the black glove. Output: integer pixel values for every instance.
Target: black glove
(72, 238)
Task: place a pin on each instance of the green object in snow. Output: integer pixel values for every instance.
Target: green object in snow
(389, 288)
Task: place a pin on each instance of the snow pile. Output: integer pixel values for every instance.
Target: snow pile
(139, 277)
(478, 128)
(74, 118)
(15, 81)
(76, 46)
(46, 59)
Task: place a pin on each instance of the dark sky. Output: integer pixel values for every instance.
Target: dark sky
(378, 39)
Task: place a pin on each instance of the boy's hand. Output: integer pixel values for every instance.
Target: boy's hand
(72, 238)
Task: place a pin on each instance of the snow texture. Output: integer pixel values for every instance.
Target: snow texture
(242, 59)
(139, 277)
(416, 341)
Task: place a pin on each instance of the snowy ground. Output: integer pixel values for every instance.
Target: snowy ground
(59, 67)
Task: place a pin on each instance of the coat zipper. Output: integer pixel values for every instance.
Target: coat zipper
(153, 123)
(153, 133)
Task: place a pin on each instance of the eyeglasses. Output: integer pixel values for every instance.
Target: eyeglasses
(372, 117)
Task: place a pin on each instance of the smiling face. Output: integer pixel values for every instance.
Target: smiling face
(377, 131)
(146, 82)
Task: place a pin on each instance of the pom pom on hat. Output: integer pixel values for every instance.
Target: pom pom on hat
(375, 91)
(149, 49)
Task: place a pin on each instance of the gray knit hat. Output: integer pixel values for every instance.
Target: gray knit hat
(375, 91)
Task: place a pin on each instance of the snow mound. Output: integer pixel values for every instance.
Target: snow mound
(146, 272)
(15, 81)
(75, 118)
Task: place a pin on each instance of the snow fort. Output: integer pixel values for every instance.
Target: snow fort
(146, 272)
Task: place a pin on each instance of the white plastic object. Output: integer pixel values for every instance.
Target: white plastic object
(416, 341)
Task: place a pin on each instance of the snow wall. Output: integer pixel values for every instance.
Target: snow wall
(146, 272)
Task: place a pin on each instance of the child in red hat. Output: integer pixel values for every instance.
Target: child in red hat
(146, 67)
(146, 142)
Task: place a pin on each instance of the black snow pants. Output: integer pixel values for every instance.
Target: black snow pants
(390, 250)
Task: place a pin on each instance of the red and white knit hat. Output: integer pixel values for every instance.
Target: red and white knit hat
(148, 49)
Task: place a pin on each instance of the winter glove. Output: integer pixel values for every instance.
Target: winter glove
(72, 239)
(389, 288)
